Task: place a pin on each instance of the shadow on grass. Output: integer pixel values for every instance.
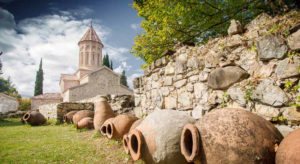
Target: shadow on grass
(11, 122)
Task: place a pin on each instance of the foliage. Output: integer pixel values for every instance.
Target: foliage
(25, 104)
(38, 88)
(168, 22)
(123, 79)
(56, 144)
(8, 88)
(106, 62)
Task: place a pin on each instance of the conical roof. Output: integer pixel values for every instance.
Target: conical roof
(91, 35)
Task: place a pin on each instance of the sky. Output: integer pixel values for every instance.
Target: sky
(50, 29)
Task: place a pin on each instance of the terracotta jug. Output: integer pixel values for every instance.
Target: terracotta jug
(230, 136)
(103, 127)
(126, 136)
(34, 118)
(68, 118)
(289, 149)
(157, 138)
(81, 114)
(103, 112)
(119, 126)
(86, 122)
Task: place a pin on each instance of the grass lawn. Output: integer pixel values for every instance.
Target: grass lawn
(50, 143)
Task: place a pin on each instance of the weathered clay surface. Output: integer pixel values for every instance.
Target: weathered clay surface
(120, 126)
(159, 137)
(126, 136)
(103, 112)
(86, 122)
(81, 114)
(68, 118)
(230, 136)
(289, 149)
(34, 118)
(271, 47)
(222, 78)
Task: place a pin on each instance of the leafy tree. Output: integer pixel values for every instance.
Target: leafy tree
(167, 22)
(111, 65)
(123, 79)
(8, 88)
(38, 89)
(106, 62)
(25, 104)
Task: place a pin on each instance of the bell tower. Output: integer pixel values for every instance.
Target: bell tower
(90, 50)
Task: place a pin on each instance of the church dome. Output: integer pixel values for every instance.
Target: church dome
(91, 35)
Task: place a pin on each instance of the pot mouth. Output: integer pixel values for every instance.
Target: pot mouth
(26, 116)
(103, 130)
(125, 143)
(65, 118)
(110, 130)
(189, 142)
(135, 144)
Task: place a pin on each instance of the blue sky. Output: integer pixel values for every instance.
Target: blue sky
(31, 29)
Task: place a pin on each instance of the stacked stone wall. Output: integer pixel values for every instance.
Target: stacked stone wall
(257, 70)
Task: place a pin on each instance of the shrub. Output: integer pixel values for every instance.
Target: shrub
(25, 104)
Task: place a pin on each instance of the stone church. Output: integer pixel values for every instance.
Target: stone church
(91, 78)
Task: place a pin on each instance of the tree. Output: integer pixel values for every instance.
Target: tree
(106, 62)
(8, 88)
(38, 89)
(123, 79)
(167, 22)
(111, 65)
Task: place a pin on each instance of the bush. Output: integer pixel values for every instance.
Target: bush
(25, 104)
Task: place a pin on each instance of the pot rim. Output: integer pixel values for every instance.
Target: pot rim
(135, 144)
(110, 130)
(189, 142)
(26, 116)
(125, 143)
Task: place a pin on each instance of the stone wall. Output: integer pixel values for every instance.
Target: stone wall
(8, 104)
(257, 70)
(119, 103)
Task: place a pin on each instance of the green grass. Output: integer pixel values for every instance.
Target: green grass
(21, 143)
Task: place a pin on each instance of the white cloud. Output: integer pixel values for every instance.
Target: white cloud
(51, 37)
(136, 26)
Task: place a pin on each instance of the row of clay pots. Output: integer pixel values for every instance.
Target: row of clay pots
(82, 118)
(222, 136)
(34, 118)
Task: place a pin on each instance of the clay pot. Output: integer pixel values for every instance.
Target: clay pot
(230, 136)
(81, 114)
(34, 118)
(126, 136)
(103, 112)
(68, 118)
(157, 138)
(103, 127)
(289, 149)
(86, 122)
(119, 126)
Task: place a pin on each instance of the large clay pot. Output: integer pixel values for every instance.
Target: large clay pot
(86, 122)
(103, 127)
(68, 118)
(126, 136)
(230, 136)
(34, 118)
(119, 126)
(103, 112)
(157, 138)
(289, 149)
(81, 114)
